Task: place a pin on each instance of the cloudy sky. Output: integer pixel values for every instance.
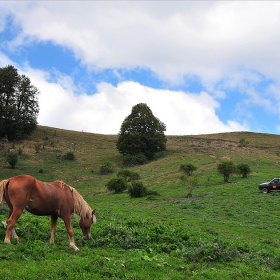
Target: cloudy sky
(201, 66)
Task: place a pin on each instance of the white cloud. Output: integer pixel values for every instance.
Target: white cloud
(212, 40)
(183, 113)
(173, 38)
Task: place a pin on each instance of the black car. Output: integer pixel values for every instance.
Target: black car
(272, 186)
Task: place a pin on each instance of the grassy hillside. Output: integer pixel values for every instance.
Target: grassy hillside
(225, 231)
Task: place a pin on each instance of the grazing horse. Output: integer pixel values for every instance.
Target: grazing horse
(55, 199)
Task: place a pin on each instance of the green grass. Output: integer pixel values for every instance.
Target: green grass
(225, 231)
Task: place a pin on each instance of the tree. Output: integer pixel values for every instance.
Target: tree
(141, 133)
(243, 169)
(188, 168)
(190, 182)
(18, 104)
(226, 168)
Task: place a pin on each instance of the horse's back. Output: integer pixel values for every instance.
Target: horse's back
(40, 198)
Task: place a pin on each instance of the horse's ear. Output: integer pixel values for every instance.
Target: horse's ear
(93, 211)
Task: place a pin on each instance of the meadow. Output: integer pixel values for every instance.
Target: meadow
(224, 231)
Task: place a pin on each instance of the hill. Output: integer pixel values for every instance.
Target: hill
(225, 231)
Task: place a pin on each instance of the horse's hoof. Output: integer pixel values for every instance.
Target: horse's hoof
(74, 247)
(7, 241)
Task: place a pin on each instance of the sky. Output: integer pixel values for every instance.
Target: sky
(201, 66)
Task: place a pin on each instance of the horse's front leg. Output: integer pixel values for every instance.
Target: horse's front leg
(11, 221)
(67, 222)
(53, 228)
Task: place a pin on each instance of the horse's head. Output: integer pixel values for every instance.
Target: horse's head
(85, 224)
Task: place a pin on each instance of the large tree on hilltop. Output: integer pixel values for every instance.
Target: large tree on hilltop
(19, 106)
(141, 133)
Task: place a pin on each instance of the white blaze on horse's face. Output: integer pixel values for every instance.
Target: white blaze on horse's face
(85, 225)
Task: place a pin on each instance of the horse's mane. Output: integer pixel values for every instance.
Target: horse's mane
(81, 208)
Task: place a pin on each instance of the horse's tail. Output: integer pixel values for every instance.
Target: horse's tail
(3, 185)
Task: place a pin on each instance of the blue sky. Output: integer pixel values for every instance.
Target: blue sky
(202, 67)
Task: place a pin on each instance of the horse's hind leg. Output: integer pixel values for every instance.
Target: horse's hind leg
(11, 221)
(14, 234)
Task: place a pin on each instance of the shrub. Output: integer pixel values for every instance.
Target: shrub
(226, 168)
(243, 142)
(243, 169)
(137, 189)
(12, 159)
(117, 185)
(191, 182)
(106, 168)
(20, 151)
(133, 160)
(69, 156)
(37, 148)
(128, 175)
(188, 168)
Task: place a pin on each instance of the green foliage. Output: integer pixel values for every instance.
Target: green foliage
(141, 133)
(223, 232)
(243, 169)
(117, 185)
(133, 160)
(137, 189)
(191, 182)
(69, 156)
(188, 168)
(128, 175)
(12, 159)
(106, 168)
(19, 106)
(37, 148)
(20, 151)
(243, 142)
(226, 168)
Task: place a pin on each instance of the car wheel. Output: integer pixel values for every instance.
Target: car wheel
(265, 190)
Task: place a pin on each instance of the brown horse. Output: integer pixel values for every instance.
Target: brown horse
(55, 199)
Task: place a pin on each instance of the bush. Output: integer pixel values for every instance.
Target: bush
(226, 168)
(243, 169)
(243, 142)
(106, 168)
(69, 156)
(20, 151)
(190, 182)
(133, 160)
(128, 175)
(117, 185)
(188, 168)
(12, 159)
(137, 189)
